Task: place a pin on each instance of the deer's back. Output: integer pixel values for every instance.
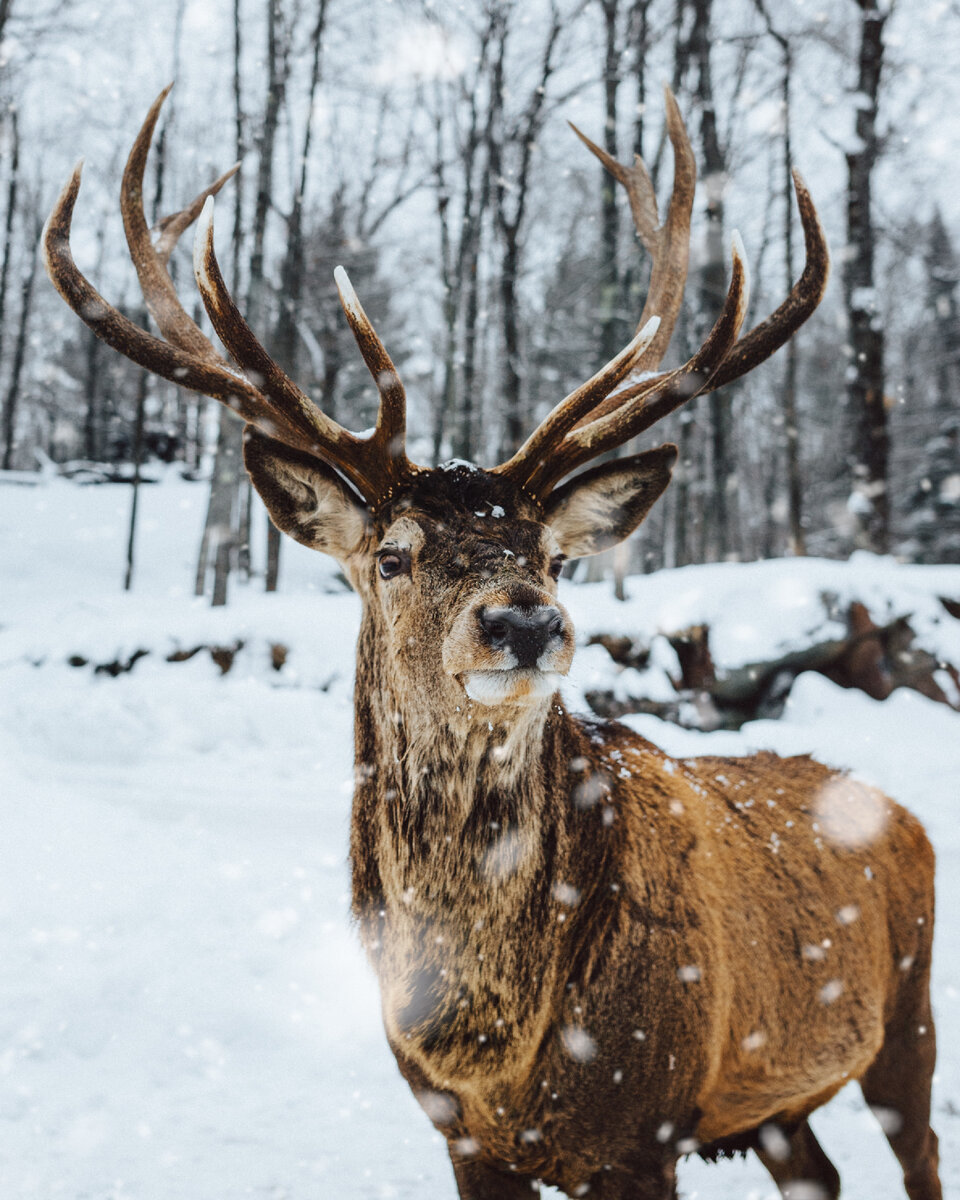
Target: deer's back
(806, 901)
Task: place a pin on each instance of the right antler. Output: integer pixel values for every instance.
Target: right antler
(572, 433)
(264, 395)
(668, 244)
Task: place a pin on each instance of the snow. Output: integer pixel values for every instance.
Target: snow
(760, 611)
(184, 1009)
(457, 464)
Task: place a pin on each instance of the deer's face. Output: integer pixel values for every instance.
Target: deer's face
(464, 575)
(459, 571)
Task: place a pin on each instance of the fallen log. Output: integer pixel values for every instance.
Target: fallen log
(875, 659)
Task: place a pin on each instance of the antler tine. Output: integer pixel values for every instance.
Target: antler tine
(668, 244)
(325, 437)
(155, 282)
(552, 430)
(205, 375)
(676, 388)
(767, 337)
(391, 429)
(168, 230)
(668, 276)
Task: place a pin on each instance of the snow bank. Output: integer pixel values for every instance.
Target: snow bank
(184, 1011)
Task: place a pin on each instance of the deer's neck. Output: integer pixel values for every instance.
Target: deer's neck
(454, 805)
(468, 871)
(451, 767)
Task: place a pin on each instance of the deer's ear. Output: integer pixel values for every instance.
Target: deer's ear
(304, 497)
(601, 507)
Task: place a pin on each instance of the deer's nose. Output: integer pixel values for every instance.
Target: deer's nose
(525, 631)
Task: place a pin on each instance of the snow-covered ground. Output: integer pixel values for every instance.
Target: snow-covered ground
(184, 1011)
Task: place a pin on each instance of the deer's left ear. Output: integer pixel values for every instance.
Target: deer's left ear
(601, 507)
(305, 497)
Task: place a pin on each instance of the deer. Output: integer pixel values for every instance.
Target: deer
(594, 958)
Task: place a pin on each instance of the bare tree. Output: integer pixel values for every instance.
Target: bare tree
(712, 276)
(865, 384)
(20, 346)
(788, 399)
(223, 534)
(511, 189)
(611, 324)
(12, 186)
(286, 341)
(460, 239)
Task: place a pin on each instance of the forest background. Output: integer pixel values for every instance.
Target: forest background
(425, 146)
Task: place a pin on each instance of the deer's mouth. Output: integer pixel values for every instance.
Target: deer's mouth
(515, 685)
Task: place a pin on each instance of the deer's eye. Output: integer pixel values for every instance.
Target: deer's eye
(391, 564)
(556, 566)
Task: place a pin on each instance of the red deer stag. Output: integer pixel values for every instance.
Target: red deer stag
(594, 959)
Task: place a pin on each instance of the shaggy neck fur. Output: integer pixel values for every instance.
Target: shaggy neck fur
(456, 851)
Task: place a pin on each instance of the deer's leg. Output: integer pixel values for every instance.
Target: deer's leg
(897, 1087)
(477, 1181)
(657, 1181)
(802, 1169)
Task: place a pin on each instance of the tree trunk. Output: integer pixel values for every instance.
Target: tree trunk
(19, 353)
(286, 342)
(273, 557)
(713, 274)
(222, 534)
(943, 275)
(278, 63)
(523, 136)
(7, 254)
(683, 552)
(513, 422)
(865, 386)
(446, 401)
(245, 501)
(610, 322)
(218, 530)
(238, 146)
(797, 540)
(137, 455)
(278, 58)
(640, 40)
(466, 444)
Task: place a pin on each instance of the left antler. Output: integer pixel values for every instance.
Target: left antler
(572, 433)
(263, 394)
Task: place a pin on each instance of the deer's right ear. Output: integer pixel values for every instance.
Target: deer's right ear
(304, 497)
(601, 507)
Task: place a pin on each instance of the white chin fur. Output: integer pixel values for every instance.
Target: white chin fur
(523, 685)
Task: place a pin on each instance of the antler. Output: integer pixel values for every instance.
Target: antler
(591, 420)
(668, 244)
(263, 395)
(573, 434)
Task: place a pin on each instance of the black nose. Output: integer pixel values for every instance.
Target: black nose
(525, 631)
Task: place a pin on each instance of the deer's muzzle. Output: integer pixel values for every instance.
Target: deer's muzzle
(509, 652)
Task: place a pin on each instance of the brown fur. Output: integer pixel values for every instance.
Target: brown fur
(595, 958)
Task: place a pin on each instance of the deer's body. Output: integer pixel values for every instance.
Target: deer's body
(593, 958)
(615, 996)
